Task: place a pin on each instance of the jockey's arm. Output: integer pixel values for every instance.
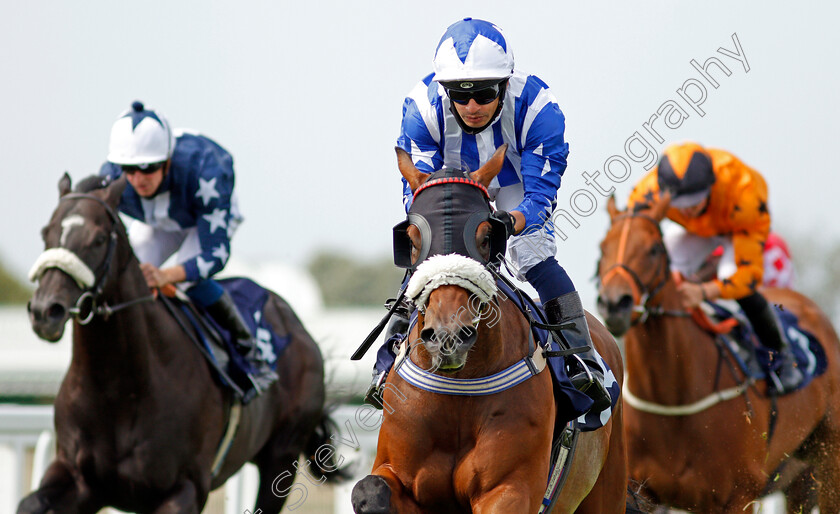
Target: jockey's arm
(417, 141)
(750, 226)
(543, 162)
(519, 221)
(157, 277)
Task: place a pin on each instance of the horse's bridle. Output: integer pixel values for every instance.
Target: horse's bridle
(642, 293)
(92, 293)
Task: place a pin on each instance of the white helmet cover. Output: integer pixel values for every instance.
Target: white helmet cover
(140, 137)
(475, 50)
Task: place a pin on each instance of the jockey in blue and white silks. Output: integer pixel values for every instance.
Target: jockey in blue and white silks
(530, 122)
(180, 194)
(457, 117)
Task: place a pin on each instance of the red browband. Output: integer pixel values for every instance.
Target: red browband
(453, 180)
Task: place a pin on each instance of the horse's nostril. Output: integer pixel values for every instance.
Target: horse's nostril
(427, 335)
(466, 334)
(56, 312)
(626, 302)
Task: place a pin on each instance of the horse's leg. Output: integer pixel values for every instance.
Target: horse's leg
(276, 479)
(609, 494)
(382, 493)
(801, 493)
(58, 492)
(828, 475)
(184, 499)
(508, 497)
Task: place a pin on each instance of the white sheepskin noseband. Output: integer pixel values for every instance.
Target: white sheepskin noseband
(66, 261)
(452, 269)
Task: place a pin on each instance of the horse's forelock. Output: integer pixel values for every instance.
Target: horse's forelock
(91, 183)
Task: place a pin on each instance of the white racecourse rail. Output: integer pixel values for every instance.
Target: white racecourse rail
(27, 446)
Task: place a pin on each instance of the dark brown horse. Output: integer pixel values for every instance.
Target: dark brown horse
(698, 437)
(454, 454)
(139, 415)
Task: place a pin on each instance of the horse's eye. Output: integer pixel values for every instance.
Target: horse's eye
(656, 251)
(100, 240)
(485, 242)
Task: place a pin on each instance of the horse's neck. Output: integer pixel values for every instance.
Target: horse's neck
(116, 352)
(669, 358)
(496, 347)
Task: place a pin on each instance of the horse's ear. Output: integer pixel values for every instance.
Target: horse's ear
(660, 208)
(114, 191)
(612, 209)
(409, 171)
(485, 174)
(65, 185)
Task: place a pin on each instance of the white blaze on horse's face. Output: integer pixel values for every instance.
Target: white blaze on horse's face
(67, 225)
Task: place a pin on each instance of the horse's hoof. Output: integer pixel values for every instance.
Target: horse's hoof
(32, 504)
(371, 496)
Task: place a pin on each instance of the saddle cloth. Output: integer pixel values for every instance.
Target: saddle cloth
(757, 360)
(572, 403)
(250, 299)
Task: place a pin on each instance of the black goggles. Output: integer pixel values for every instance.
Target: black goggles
(145, 169)
(481, 96)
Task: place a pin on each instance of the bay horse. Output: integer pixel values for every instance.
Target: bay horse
(483, 454)
(690, 443)
(139, 415)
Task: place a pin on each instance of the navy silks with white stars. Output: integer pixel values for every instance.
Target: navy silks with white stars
(196, 192)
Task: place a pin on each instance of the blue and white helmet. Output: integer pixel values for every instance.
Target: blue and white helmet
(140, 137)
(473, 50)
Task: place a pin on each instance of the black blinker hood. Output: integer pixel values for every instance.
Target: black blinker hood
(447, 209)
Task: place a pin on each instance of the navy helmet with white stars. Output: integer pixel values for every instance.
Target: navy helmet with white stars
(140, 137)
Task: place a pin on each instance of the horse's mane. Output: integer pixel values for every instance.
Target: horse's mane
(92, 183)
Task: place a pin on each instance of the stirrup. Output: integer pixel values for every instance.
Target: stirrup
(591, 383)
(373, 396)
(793, 379)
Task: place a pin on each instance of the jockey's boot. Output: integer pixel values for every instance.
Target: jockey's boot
(395, 332)
(224, 311)
(588, 379)
(787, 375)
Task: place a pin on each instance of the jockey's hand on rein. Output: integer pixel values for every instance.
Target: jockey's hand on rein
(154, 276)
(691, 294)
(508, 220)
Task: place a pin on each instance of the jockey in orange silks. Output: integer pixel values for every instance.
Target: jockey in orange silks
(717, 200)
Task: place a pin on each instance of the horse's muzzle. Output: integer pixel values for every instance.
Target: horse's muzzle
(449, 348)
(617, 314)
(49, 312)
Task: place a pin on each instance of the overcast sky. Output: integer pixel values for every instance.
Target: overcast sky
(307, 97)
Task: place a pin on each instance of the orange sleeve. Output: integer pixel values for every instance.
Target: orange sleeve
(750, 221)
(646, 191)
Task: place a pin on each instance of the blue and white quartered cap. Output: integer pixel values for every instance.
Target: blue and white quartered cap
(473, 49)
(140, 137)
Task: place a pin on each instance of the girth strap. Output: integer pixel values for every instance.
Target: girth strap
(234, 417)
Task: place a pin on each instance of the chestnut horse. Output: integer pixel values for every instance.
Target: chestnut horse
(139, 416)
(693, 445)
(453, 454)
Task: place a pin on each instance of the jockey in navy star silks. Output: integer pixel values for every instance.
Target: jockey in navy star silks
(180, 194)
(457, 117)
